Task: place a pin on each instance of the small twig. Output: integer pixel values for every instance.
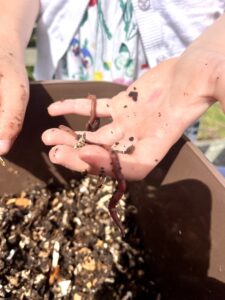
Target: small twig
(2, 162)
(55, 271)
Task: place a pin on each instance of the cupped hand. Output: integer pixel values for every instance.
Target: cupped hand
(14, 92)
(147, 118)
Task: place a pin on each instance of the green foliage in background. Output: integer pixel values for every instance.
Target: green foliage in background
(212, 124)
(30, 70)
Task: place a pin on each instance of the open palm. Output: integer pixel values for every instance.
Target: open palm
(147, 119)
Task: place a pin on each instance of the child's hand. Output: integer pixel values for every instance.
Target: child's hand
(147, 119)
(13, 99)
(16, 24)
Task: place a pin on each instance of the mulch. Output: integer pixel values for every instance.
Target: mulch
(60, 243)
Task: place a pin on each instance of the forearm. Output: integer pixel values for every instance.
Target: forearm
(16, 24)
(200, 71)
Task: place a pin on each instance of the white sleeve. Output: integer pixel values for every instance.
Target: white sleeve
(167, 27)
(56, 25)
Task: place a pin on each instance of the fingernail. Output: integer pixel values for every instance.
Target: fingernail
(5, 146)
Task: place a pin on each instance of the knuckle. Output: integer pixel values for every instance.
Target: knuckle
(24, 93)
(218, 70)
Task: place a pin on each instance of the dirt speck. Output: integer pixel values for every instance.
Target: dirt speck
(133, 95)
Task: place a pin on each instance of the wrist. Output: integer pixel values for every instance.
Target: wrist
(193, 85)
(212, 38)
(12, 46)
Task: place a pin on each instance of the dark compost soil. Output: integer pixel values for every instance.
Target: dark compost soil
(62, 244)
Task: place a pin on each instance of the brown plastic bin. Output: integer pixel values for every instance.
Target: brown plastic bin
(181, 204)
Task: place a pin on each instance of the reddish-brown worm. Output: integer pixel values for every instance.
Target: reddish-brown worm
(92, 125)
(94, 122)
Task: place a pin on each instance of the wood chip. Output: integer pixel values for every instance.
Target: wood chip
(2, 162)
(89, 264)
(77, 297)
(20, 202)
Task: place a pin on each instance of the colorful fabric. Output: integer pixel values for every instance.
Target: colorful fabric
(106, 45)
(166, 28)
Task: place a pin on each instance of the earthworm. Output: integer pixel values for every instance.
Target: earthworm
(94, 122)
(92, 125)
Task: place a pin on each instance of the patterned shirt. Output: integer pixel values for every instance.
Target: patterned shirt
(107, 45)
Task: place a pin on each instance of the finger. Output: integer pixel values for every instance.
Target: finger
(105, 135)
(99, 158)
(12, 111)
(135, 166)
(80, 106)
(68, 157)
(68, 129)
(56, 136)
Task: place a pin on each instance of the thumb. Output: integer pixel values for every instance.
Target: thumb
(13, 105)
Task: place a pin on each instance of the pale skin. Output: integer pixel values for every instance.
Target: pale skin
(170, 98)
(17, 21)
(167, 104)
